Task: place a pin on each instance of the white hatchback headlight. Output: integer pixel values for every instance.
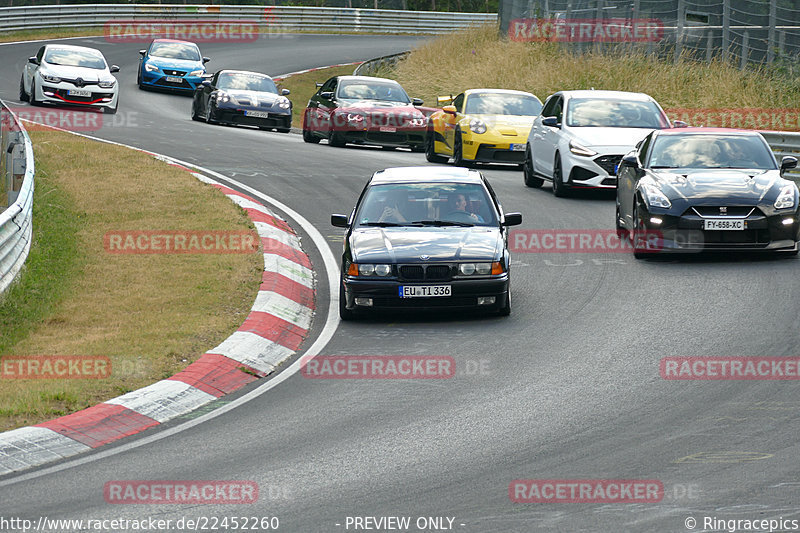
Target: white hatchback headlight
(50, 78)
(107, 84)
(786, 197)
(579, 149)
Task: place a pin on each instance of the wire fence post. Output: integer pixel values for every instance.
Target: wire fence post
(745, 49)
(771, 36)
(726, 27)
(681, 18)
(710, 46)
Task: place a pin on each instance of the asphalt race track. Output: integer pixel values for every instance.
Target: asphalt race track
(567, 387)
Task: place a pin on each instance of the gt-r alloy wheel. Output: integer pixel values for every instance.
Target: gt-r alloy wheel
(638, 236)
(559, 188)
(528, 172)
(23, 96)
(430, 150)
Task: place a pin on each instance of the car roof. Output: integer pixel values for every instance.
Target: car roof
(174, 41)
(364, 78)
(498, 91)
(620, 95)
(234, 71)
(428, 174)
(694, 131)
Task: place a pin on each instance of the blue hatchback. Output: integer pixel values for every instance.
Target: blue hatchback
(171, 64)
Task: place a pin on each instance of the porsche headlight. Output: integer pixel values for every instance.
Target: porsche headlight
(107, 84)
(50, 78)
(197, 73)
(284, 104)
(223, 97)
(150, 68)
(477, 126)
(785, 198)
(579, 149)
(655, 198)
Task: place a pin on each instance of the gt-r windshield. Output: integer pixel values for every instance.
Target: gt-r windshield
(614, 113)
(373, 90)
(175, 51)
(710, 151)
(426, 204)
(246, 82)
(75, 58)
(502, 104)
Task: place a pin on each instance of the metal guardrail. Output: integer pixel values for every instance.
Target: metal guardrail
(16, 171)
(369, 68)
(270, 18)
(784, 143)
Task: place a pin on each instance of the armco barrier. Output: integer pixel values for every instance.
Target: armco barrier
(784, 143)
(269, 18)
(16, 173)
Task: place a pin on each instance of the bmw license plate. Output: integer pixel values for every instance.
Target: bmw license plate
(174, 79)
(256, 114)
(424, 291)
(516, 147)
(722, 224)
(79, 92)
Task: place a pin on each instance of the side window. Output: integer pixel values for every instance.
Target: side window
(40, 54)
(552, 108)
(459, 102)
(643, 146)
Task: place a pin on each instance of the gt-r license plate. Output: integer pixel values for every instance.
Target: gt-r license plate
(516, 147)
(174, 79)
(388, 129)
(79, 92)
(425, 291)
(256, 114)
(723, 224)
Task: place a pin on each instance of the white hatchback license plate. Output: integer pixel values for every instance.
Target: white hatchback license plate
(517, 147)
(174, 79)
(388, 129)
(256, 114)
(721, 224)
(425, 291)
(79, 92)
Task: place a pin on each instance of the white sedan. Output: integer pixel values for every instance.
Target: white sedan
(580, 136)
(70, 75)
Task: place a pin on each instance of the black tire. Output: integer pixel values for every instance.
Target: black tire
(506, 309)
(418, 148)
(111, 110)
(559, 188)
(622, 233)
(344, 312)
(210, 118)
(32, 97)
(430, 150)
(528, 171)
(310, 137)
(283, 130)
(195, 115)
(458, 151)
(336, 139)
(23, 96)
(636, 235)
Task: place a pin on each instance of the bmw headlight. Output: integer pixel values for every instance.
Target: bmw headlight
(150, 68)
(50, 78)
(786, 197)
(368, 269)
(477, 126)
(654, 197)
(107, 84)
(197, 73)
(418, 122)
(480, 269)
(579, 149)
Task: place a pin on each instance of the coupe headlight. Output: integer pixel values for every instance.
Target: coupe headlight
(579, 149)
(480, 269)
(51, 79)
(355, 117)
(223, 97)
(368, 269)
(150, 68)
(786, 197)
(477, 126)
(655, 198)
(107, 84)
(197, 73)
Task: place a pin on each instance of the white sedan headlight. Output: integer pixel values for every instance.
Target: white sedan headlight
(50, 78)
(579, 149)
(477, 126)
(654, 197)
(786, 197)
(107, 84)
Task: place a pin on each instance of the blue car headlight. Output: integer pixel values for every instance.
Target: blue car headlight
(197, 72)
(150, 68)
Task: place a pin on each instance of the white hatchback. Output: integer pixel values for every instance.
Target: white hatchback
(70, 75)
(580, 136)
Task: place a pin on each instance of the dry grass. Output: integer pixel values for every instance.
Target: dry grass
(151, 314)
(478, 58)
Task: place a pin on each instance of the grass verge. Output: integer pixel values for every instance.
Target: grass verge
(150, 314)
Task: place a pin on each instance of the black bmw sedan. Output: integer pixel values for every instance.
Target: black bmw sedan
(425, 237)
(700, 189)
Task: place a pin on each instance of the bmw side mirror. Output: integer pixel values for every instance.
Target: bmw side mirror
(113, 69)
(206, 59)
(551, 121)
(142, 52)
(285, 92)
(788, 162)
(340, 221)
(512, 219)
(416, 101)
(33, 60)
(327, 95)
(630, 161)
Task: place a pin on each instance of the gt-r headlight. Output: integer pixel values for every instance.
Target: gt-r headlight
(579, 149)
(150, 68)
(477, 126)
(197, 73)
(369, 269)
(107, 84)
(786, 197)
(654, 197)
(480, 269)
(50, 78)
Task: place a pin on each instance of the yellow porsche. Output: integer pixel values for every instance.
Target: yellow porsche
(483, 126)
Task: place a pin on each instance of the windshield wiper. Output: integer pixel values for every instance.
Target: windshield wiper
(385, 224)
(443, 223)
(663, 166)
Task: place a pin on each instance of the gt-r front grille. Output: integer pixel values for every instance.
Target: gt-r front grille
(723, 211)
(425, 272)
(608, 163)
